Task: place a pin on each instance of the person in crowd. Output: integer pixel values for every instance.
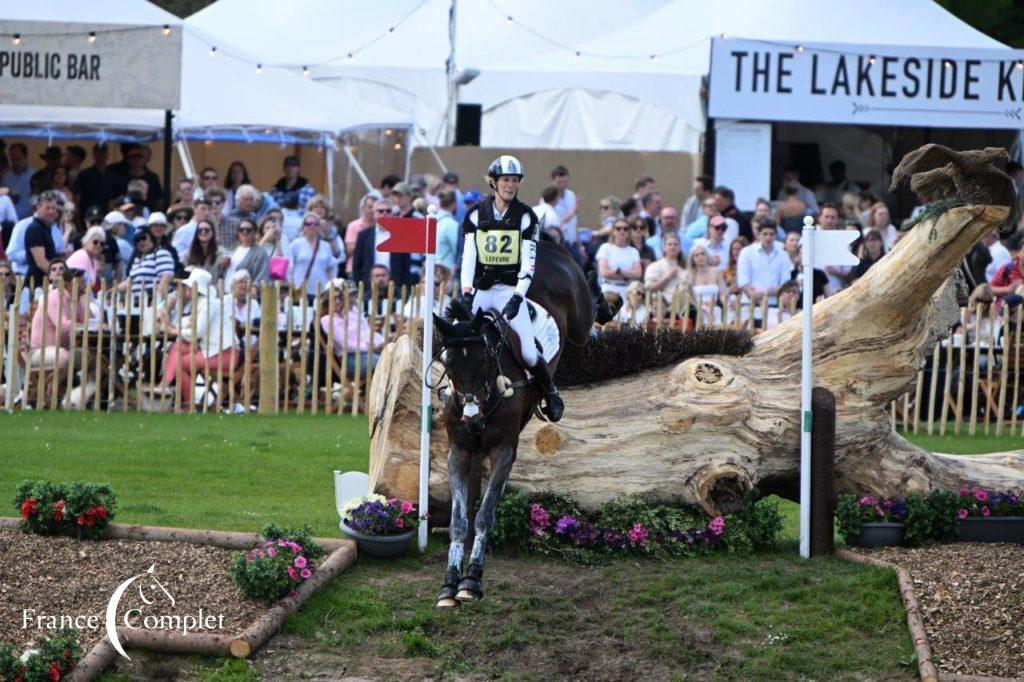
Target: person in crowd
(879, 220)
(730, 275)
(117, 251)
(149, 270)
(272, 239)
(611, 210)
(247, 255)
(236, 176)
(618, 262)
(40, 242)
(791, 245)
(74, 157)
(1010, 276)
(210, 329)
(205, 253)
(9, 289)
(318, 204)
(366, 254)
(643, 184)
(668, 221)
(208, 179)
(849, 208)
(90, 257)
(999, 253)
(291, 216)
(186, 192)
(982, 328)
(707, 284)
(874, 249)
(791, 208)
(184, 220)
(70, 233)
(639, 231)
(650, 210)
(789, 297)
(450, 183)
(567, 206)
(315, 255)
(702, 187)
(51, 159)
(865, 203)
(18, 179)
(387, 183)
(725, 201)
(249, 203)
(57, 179)
(54, 320)
(219, 200)
(292, 181)
(838, 186)
(716, 244)
(633, 311)
(415, 306)
(699, 228)
(447, 231)
(470, 199)
(157, 226)
(8, 214)
(763, 266)
(547, 216)
(137, 192)
(137, 169)
(356, 226)
(791, 180)
(838, 275)
(630, 208)
(93, 186)
(355, 343)
(665, 275)
(246, 308)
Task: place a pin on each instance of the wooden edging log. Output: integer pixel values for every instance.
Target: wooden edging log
(96, 660)
(915, 620)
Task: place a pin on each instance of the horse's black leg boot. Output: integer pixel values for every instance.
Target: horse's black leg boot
(452, 578)
(553, 405)
(472, 582)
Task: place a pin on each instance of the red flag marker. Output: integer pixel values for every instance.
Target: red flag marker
(409, 235)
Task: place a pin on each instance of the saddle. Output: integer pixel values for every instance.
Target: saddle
(545, 333)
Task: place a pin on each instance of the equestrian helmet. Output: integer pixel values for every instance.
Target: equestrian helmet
(505, 165)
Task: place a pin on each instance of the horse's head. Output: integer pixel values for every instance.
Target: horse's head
(470, 362)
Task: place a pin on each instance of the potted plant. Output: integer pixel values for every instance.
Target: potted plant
(871, 521)
(986, 516)
(381, 526)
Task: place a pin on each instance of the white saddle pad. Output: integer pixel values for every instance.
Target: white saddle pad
(544, 330)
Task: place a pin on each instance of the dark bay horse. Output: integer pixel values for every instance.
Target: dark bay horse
(491, 399)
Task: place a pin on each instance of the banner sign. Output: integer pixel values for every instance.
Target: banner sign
(866, 84)
(101, 65)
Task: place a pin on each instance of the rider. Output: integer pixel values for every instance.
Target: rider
(498, 260)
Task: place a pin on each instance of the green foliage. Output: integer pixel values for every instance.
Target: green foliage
(52, 657)
(756, 526)
(78, 508)
(511, 520)
(624, 512)
(303, 537)
(271, 571)
(932, 517)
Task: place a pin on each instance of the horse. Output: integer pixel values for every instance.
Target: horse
(491, 400)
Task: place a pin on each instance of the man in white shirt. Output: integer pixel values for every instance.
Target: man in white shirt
(567, 205)
(547, 214)
(763, 266)
(669, 221)
(1000, 255)
(716, 243)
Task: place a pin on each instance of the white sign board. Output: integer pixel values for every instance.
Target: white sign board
(57, 65)
(866, 84)
(743, 159)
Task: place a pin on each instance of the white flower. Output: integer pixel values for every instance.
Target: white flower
(29, 653)
(353, 503)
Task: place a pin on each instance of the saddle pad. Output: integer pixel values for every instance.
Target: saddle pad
(544, 330)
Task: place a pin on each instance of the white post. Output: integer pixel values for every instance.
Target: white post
(12, 348)
(807, 258)
(426, 410)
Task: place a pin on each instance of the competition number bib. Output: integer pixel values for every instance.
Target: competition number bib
(498, 247)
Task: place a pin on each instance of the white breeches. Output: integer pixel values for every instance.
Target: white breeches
(495, 299)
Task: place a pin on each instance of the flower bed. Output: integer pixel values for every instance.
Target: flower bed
(79, 508)
(49, 660)
(986, 516)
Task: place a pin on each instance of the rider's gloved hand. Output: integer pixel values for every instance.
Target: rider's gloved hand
(512, 307)
(467, 300)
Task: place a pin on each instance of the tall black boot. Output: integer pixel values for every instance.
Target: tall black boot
(552, 405)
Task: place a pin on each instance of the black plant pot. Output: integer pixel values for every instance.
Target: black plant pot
(380, 546)
(879, 534)
(992, 529)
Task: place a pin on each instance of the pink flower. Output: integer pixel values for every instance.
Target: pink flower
(400, 523)
(259, 553)
(980, 494)
(962, 513)
(964, 492)
(539, 519)
(271, 551)
(294, 547)
(638, 534)
(717, 526)
(879, 510)
(866, 501)
(282, 543)
(393, 501)
(300, 562)
(268, 543)
(406, 507)
(292, 574)
(305, 573)
(985, 511)
(248, 557)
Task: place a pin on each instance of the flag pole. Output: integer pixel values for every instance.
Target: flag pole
(807, 258)
(426, 409)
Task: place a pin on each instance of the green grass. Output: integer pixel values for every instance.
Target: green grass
(765, 617)
(964, 444)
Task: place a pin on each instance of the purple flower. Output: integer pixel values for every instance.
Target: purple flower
(539, 518)
(615, 539)
(567, 525)
(638, 534)
(587, 535)
(866, 501)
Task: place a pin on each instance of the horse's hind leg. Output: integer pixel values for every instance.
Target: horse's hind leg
(471, 587)
(458, 480)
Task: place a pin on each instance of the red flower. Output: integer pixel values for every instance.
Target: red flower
(101, 512)
(28, 508)
(54, 671)
(59, 514)
(80, 520)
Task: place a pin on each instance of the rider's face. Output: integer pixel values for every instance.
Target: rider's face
(508, 185)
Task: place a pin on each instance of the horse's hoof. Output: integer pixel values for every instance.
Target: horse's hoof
(447, 604)
(468, 596)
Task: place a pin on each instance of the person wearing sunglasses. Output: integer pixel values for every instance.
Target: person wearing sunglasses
(247, 255)
(365, 256)
(150, 269)
(356, 226)
(205, 253)
(315, 255)
(157, 226)
(618, 262)
(89, 258)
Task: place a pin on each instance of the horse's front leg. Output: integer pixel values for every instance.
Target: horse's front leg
(458, 481)
(471, 587)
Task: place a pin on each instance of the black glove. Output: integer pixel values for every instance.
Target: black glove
(512, 307)
(467, 300)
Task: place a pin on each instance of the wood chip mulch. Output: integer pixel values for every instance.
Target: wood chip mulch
(63, 576)
(972, 596)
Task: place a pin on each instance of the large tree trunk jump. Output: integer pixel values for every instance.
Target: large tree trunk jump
(706, 430)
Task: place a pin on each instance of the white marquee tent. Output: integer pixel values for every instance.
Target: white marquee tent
(634, 84)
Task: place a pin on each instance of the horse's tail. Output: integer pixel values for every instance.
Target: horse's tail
(602, 313)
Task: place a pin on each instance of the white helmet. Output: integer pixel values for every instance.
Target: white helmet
(505, 165)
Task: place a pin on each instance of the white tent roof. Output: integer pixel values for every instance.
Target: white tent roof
(127, 13)
(533, 91)
(222, 97)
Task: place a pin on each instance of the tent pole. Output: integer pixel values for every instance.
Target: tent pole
(329, 153)
(432, 149)
(168, 143)
(453, 88)
(356, 167)
(408, 156)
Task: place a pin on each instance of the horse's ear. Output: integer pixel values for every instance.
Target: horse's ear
(457, 310)
(447, 329)
(477, 322)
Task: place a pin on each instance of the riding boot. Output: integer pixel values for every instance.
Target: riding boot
(552, 406)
